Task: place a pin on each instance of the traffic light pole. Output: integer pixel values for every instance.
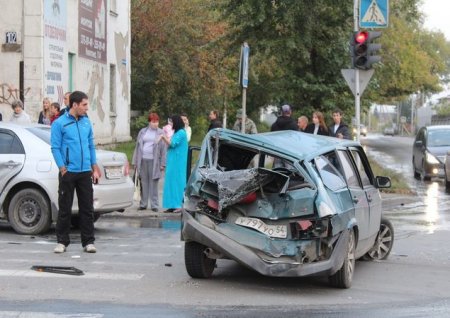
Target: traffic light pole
(357, 88)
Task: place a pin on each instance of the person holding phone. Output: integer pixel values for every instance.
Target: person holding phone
(73, 148)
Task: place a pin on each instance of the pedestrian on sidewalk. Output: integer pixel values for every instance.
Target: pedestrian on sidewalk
(73, 148)
(149, 160)
(175, 179)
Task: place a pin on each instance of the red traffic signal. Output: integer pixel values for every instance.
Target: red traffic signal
(363, 49)
(361, 37)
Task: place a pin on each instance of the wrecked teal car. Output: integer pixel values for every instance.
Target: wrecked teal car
(285, 204)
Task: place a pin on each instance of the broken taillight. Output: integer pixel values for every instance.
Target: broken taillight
(308, 229)
(249, 198)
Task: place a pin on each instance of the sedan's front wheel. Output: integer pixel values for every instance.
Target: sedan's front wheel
(29, 212)
(344, 276)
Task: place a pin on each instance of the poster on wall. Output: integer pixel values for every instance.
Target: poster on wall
(92, 30)
(55, 50)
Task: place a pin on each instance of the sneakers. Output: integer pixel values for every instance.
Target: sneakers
(60, 248)
(90, 248)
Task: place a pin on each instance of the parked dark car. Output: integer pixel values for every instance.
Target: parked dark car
(284, 204)
(429, 150)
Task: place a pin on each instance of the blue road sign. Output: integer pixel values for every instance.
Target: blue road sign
(245, 52)
(374, 14)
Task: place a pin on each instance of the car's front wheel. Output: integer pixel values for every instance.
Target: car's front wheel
(29, 212)
(383, 243)
(198, 265)
(344, 276)
(423, 173)
(416, 174)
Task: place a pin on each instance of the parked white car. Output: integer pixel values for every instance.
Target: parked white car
(29, 180)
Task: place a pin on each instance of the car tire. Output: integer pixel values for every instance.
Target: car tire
(29, 212)
(383, 243)
(416, 174)
(198, 265)
(344, 276)
(423, 174)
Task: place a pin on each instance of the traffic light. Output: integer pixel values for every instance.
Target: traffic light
(363, 49)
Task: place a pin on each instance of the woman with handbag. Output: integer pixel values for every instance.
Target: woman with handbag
(149, 160)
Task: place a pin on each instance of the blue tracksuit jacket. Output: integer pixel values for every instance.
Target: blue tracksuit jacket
(72, 143)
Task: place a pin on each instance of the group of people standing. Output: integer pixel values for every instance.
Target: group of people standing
(49, 113)
(318, 126)
(158, 151)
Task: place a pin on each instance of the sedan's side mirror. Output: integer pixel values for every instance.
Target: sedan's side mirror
(382, 182)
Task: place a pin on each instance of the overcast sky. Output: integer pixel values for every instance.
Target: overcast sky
(437, 15)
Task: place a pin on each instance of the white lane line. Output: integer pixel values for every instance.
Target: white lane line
(31, 273)
(35, 314)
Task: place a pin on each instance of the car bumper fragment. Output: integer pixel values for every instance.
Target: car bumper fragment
(194, 231)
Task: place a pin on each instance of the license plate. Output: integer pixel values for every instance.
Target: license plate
(279, 231)
(113, 172)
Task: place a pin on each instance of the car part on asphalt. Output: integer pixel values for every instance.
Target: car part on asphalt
(68, 270)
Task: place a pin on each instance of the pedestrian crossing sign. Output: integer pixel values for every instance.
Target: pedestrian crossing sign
(373, 13)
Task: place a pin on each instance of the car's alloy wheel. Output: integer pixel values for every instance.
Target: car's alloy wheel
(29, 212)
(198, 265)
(383, 243)
(344, 276)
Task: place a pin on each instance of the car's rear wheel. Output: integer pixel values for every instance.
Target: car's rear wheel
(383, 243)
(198, 265)
(29, 212)
(344, 276)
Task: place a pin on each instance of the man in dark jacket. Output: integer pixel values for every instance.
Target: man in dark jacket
(285, 121)
(72, 144)
(214, 120)
(339, 129)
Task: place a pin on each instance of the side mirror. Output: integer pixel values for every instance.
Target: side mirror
(382, 182)
(418, 143)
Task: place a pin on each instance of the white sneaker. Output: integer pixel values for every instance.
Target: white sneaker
(60, 248)
(90, 248)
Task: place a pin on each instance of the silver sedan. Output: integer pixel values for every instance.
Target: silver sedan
(29, 180)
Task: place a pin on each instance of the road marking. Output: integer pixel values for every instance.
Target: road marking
(30, 273)
(35, 314)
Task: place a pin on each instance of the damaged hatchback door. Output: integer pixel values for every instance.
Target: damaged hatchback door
(284, 204)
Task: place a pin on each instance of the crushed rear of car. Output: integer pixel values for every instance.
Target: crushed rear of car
(260, 200)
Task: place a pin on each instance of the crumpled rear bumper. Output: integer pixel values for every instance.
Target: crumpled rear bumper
(192, 230)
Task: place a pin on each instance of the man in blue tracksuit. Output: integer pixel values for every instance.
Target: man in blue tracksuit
(72, 143)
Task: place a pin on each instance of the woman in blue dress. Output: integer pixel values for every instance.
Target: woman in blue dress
(176, 165)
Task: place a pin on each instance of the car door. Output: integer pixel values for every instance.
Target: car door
(359, 197)
(12, 158)
(372, 193)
